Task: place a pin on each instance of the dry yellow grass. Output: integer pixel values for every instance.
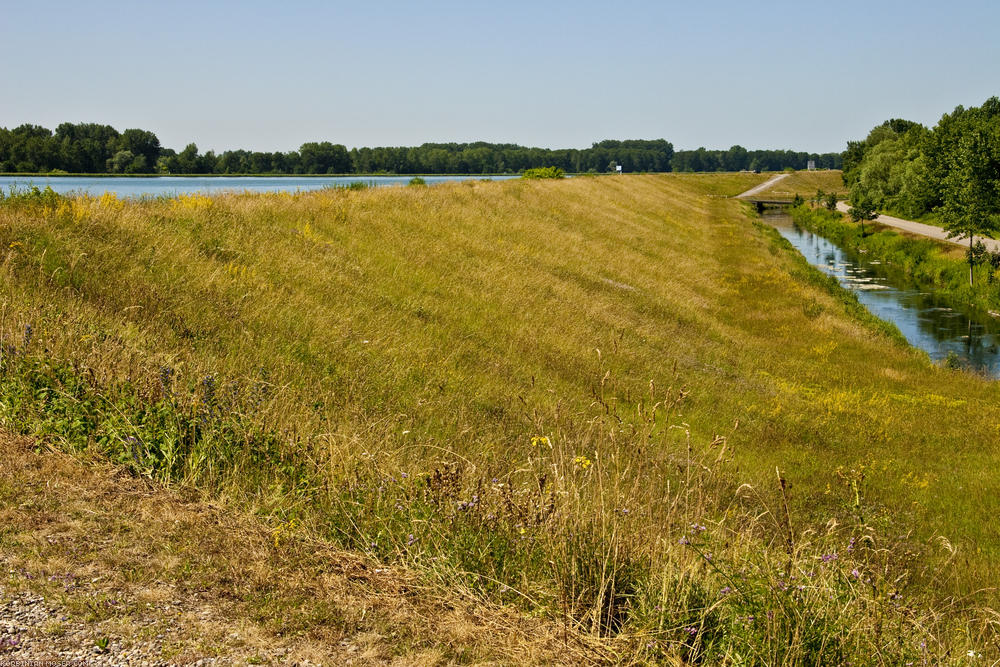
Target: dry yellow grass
(133, 561)
(806, 183)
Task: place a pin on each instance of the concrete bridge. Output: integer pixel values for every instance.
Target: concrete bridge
(761, 204)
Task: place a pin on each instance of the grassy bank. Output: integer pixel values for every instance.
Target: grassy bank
(565, 396)
(806, 183)
(931, 264)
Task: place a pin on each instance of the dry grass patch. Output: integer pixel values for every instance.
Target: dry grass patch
(140, 564)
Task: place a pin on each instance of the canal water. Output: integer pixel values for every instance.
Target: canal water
(155, 186)
(928, 320)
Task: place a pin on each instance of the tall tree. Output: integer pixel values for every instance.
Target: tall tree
(971, 186)
(140, 143)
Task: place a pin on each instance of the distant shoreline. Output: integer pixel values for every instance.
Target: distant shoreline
(12, 174)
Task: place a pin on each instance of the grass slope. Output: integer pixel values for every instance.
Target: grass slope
(806, 183)
(547, 393)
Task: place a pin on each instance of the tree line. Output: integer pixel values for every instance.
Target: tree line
(101, 149)
(738, 158)
(951, 170)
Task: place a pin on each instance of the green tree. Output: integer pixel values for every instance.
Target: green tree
(971, 186)
(140, 143)
(120, 162)
(325, 158)
(863, 206)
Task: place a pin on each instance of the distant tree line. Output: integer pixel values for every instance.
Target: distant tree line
(738, 158)
(101, 149)
(951, 170)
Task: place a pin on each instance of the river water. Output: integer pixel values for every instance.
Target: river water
(928, 320)
(155, 186)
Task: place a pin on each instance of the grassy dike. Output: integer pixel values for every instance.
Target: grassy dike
(570, 397)
(941, 266)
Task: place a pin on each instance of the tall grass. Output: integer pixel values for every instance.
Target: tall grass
(566, 396)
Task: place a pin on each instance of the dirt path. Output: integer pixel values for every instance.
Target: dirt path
(922, 229)
(766, 185)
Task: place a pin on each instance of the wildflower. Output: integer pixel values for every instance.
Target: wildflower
(850, 545)
(539, 440)
(410, 539)
(855, 573)
(698, 528)
(691, 630)
(583, 462)
(684, 540)
(826, 558)
(726, 590)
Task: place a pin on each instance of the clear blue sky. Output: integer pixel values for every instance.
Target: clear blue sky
(271, 75)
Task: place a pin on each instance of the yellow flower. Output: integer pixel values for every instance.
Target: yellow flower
(583, 462)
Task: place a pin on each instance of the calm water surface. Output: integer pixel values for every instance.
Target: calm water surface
(155, 186)
(929, 321)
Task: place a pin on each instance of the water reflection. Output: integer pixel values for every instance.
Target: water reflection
(928, 320)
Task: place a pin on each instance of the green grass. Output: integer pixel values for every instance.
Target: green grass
(529, 389)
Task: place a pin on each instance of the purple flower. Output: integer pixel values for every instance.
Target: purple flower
(725, 590)
(684, 540)
(410, 539)
(855, 573)
(691, 630)
(826, 558)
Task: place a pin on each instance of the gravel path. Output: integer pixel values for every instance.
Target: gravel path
(921, 229)
(762, 187)
(34, 630)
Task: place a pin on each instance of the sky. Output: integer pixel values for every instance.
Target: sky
(270, 76)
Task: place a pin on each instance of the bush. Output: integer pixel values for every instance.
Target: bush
(417, 180)
(544, 172)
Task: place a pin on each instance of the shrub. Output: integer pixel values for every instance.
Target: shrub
(544, 172)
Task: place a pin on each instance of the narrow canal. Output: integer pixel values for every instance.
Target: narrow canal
(928, 320)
